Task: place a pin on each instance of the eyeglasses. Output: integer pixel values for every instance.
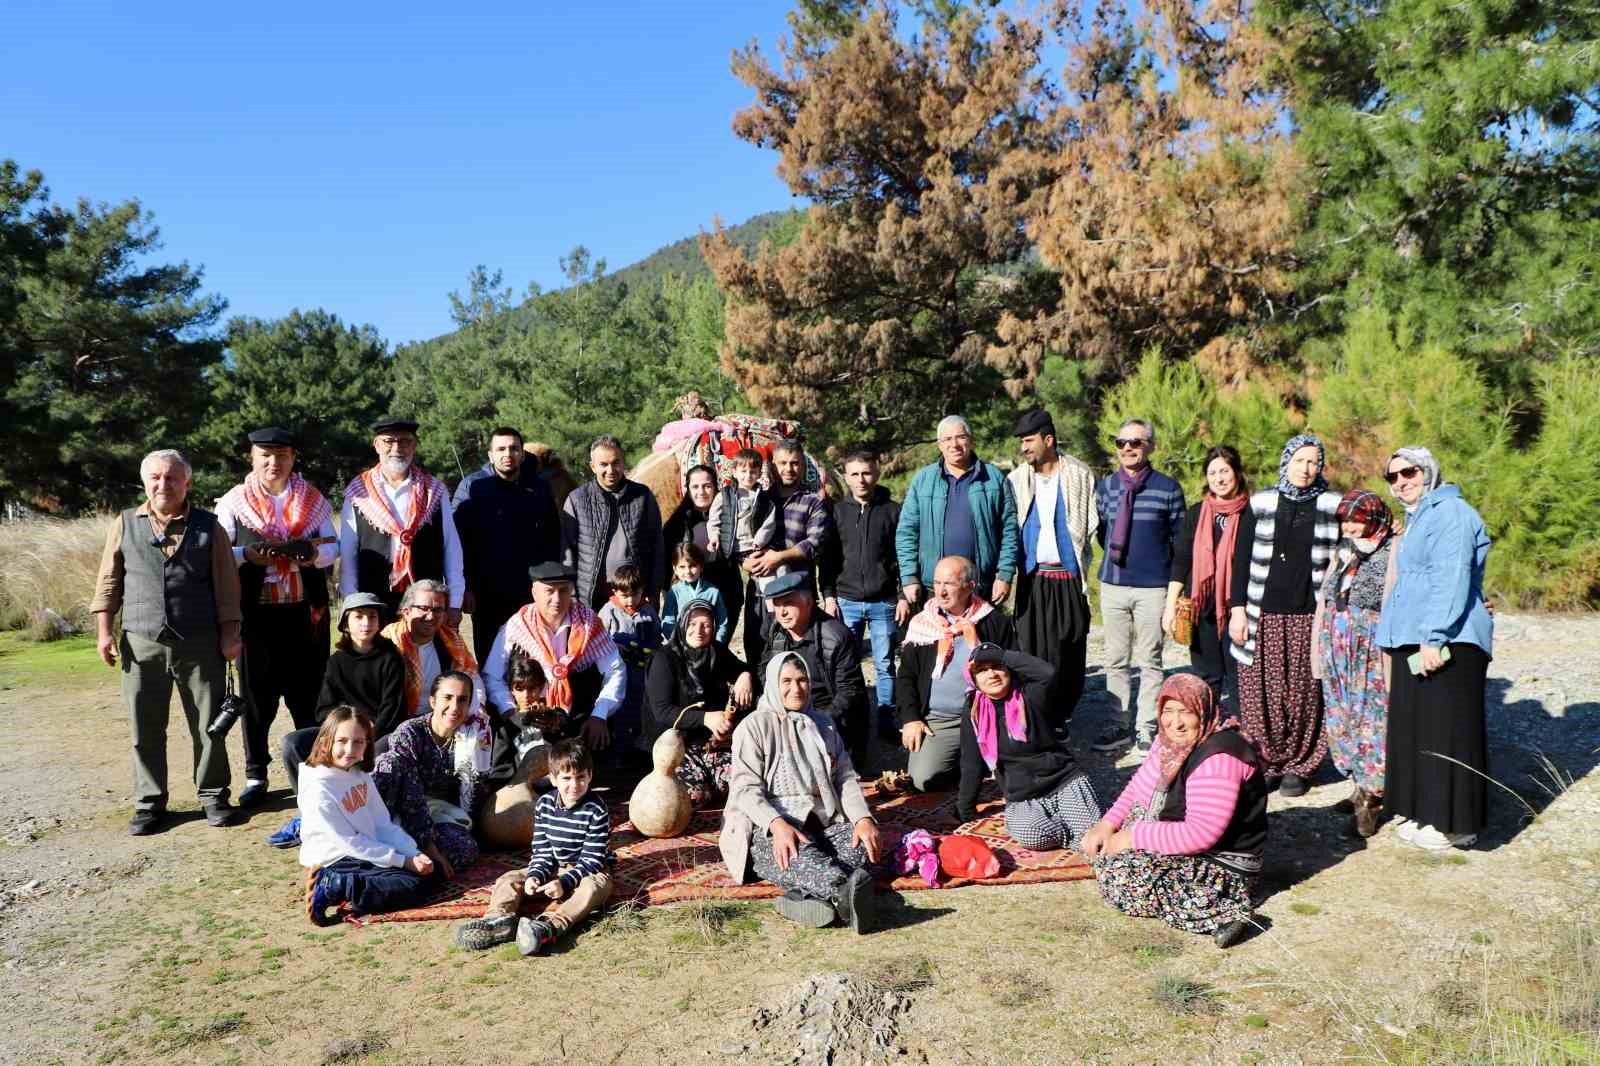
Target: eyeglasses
(1405, 472)
(1131, 442)
(419, 609)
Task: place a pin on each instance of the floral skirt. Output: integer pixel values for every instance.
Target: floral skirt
(1280, 703)
(704, 772)
(1188, 892)
(1355, 698)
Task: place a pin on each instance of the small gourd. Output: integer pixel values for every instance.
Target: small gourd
(659, 806)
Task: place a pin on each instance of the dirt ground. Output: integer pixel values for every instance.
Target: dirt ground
(193, 947)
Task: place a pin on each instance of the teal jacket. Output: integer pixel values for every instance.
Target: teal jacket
(919, 538)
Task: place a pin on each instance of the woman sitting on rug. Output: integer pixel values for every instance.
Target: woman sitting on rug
(795, 814)
(695, 668)
(432, 776)
(1183, 842)
(1049, 802)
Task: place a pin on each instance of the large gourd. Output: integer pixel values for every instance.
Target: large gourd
(660, 806)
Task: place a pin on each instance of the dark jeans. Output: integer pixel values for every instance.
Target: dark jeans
(1216, 665)
(285, 655)
(370, 889)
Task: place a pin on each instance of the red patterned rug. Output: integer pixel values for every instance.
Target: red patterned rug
(690, 866)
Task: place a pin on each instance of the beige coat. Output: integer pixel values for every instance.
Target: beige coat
(1077, 482)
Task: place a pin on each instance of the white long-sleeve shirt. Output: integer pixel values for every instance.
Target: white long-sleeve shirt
(398, 499)
(613, 686)
(342, 816)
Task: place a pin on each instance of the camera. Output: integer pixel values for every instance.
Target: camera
(232, 709)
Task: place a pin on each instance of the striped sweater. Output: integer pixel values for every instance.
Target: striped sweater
(1212, 794)
(1158, 512)
(1264, 506)
(575, 837)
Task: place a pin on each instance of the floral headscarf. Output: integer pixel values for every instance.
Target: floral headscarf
(1196, 696)
(1317, 487)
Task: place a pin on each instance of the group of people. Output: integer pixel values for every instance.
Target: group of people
(597, 626)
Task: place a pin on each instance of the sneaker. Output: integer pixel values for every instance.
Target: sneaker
(1430, 839)
(220, 814)
(319, 901)
(1114, 739)
(143, 823)
(856, 902)
(803, 910)
(534, 935)
(1142, 745)
(481, 933)
(1405, 829)
(254, 792)
(1293, 785)
(288, 836)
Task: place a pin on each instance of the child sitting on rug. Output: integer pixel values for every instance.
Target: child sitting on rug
(359, 858)
(1049, 802)
(568, 863)
(689, 567)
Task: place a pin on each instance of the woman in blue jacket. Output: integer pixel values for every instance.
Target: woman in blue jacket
(1436, 617)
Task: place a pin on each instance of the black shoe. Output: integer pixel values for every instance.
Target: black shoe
(221, 814)
(144, 823)
(856, 902)
(254, 792)
(803, 910)
(1293, 785)
(1113, 739)
(1230, 934)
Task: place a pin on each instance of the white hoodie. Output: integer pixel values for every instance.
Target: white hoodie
(342, 816)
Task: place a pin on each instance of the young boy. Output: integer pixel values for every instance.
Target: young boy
(743, 518)
(635, 629)
(567, 876)
(689, 567)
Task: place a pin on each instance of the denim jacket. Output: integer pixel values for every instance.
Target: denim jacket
(1437, 597)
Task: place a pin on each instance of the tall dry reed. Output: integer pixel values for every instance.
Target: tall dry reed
(47, 573)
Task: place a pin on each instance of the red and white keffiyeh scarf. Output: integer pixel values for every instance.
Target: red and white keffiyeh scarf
(587, 643)
(304, 511)
(929, 626)
(366, 495)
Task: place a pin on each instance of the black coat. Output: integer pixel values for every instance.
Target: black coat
(830, 652)
(669, 689)
(913, 681)
(1026, 769)
(505, 527)
(868, 570)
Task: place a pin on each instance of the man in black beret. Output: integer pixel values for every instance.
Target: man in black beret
(397, 526)
(830, 652)
(1057, 516)
(281, 529)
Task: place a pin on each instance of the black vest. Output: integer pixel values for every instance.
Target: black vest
(372, 552)
(251, 577)
(1247, 831)
(163, 596)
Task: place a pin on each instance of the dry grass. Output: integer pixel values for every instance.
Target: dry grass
(47, 572)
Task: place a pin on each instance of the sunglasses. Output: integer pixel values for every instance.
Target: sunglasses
(1405, 472)
(1130, 442)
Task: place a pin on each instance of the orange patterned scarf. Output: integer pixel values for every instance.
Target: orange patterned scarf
(304, 510)
(460, 658)
(366, 495)
(587, 643)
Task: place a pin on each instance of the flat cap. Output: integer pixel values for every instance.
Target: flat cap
(393, 423)
(272, 437)
(552, 571)
(360, 599)
(1035, 421)
(782, 585)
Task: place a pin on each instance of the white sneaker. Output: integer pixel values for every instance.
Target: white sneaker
(1405, 829)
(1431, 839)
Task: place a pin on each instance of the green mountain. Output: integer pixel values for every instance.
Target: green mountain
(683, 257)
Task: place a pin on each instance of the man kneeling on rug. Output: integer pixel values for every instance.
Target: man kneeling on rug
(567, 878)
(796, 815)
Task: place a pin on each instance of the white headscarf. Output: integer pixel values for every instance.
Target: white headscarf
(1423, 460)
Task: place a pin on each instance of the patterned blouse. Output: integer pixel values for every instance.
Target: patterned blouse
(1366, 586)
(416, 769)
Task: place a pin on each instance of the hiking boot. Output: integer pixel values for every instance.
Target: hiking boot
(1293, 785)
(220, 814)
(254, 792)
(481, 933)
(855, 906)
(803, 910)
(1369, 809)
(1228, 935)
(319, 901)
(534, 935)
(288, 836)
(143, 823)
(1114, 739)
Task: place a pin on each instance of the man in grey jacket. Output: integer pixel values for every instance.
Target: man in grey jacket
(611, 521)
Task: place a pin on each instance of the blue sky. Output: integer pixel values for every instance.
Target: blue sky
(362, 157)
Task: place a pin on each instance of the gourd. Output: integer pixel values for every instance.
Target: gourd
(659, 806)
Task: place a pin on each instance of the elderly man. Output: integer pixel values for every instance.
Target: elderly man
(584, 673)
(396, 526)
(962, 506)
(168, 566)
(283, 541)
(931, 686)
(830, 651)
(1141, 513)
(804, 536)
(1052, 610)
(608, 522)
(507, 522)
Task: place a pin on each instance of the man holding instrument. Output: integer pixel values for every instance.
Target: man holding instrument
(282, 532)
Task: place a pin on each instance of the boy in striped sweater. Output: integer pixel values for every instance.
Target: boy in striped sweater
(567, 876)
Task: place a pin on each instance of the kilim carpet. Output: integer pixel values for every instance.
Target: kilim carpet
(690, 866)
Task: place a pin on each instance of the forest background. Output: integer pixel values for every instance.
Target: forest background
(1237, 218)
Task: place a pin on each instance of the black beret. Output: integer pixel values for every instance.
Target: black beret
(1035, 421)
(552, 572)
(272, 437)
(796, 581)
(394, 422)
